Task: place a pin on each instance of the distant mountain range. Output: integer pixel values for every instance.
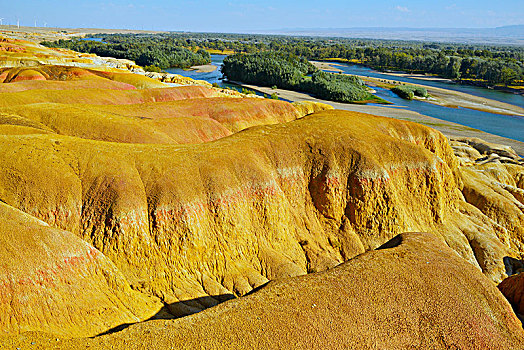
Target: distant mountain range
(512, 35)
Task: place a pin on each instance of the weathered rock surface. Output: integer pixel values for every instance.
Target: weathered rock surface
(415, 294)
(176, 79)
(495, 185)
(310, 107)
(53, 281)
(488, 148)
(193, 225)
(105, 96)
(221, 218)
(54, 77)
(513, 289)
(174, 122)
(23, 53)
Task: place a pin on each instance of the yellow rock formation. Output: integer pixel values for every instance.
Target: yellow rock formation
(49, 276)
(119, 196)
(493, 181)
(55, 76)
(97, 96)
(183, 121)
(310, 107)
(268, 202)
(414, 293)
(22, 53)
(352, 306)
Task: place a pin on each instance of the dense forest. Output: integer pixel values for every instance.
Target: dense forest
(150, 52)
(268, 69)
(295, 73)
(482, 64)
(486, 65)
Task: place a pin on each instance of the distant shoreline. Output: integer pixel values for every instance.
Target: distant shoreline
(420, 77)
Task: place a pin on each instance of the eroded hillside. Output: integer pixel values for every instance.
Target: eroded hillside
(122, 196)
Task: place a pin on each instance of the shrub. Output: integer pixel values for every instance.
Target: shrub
(420, 91)
(153, 68)
(248, 92)
(334, 87)
(408, 92)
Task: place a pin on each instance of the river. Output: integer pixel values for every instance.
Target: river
(497, 95)
(503, 125)
(211, 77)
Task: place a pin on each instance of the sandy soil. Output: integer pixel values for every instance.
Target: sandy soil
(326, 65)
(451, 98)
(420, 76)
(451, 130)
(205, 68)
(441, 97)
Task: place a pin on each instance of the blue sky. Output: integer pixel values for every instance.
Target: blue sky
(243, 16)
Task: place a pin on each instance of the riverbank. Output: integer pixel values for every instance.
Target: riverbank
(330, 63)
(450, 129)
(453, 99)
(205, 68)
(327, 66)
(420, 77)
(439, 96)
(518, 90)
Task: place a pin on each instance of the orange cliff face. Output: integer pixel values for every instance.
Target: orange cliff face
(513, 289)
(71, 78)
(183, 197)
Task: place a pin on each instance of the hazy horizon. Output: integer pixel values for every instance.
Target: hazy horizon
(258, 16)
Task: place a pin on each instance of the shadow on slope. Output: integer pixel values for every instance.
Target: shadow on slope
(513, 266)
(169, 311)
(166, 313)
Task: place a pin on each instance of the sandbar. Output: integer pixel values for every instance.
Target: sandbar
(326, 66)
(454, 99)
(205, 68)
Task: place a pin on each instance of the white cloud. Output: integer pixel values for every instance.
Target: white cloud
(401, 8)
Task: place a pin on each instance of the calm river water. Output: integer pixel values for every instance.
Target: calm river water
(502, 125)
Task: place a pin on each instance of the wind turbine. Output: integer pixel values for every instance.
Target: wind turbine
(1, 21)
(18, 23)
